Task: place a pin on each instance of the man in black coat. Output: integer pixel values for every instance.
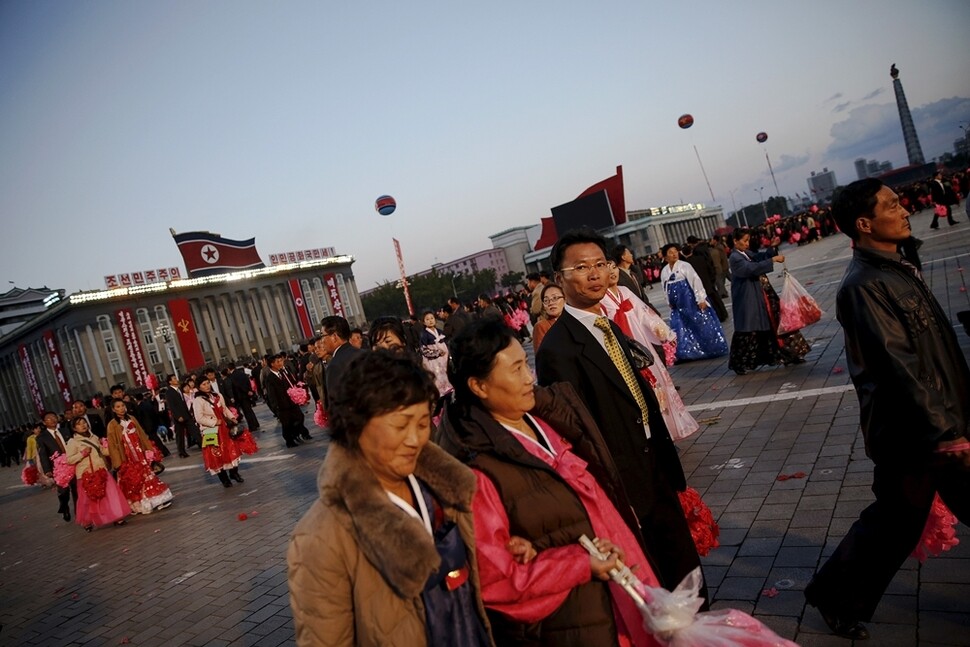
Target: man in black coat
(242, 391)
(698, 255)
(290, 414)
(51, 441)
(576, 350)
(335, 334)
(182, 421)
(943, 196)
(95, 422)
(913, 384)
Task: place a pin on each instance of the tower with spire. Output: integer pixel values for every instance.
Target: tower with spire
(913, 150)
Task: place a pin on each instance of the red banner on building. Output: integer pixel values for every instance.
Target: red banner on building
(336, 303)
(301, 310)
(129, 334)
(31, 380)
(59, 375)
(186, 333)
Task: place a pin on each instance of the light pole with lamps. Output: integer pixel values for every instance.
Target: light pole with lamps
(738, 215)
(165, 333)
(761, 194)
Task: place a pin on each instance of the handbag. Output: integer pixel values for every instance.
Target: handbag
(210, 437)
(798, 308)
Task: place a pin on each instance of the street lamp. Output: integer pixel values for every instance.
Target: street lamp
(761, 194)
(738, 215)
(165, 333)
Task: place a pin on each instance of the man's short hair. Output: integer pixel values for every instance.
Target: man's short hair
(545, 275)
(692, 240)
(854, 201)
(454, 302)
(335, 325)
(532, 276)
(617, 254)
(117, 387)
(574, 237)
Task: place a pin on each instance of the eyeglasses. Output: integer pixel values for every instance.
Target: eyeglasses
(550, 300)
(582, 269)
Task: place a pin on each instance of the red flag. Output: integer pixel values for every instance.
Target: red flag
(206, 254)
(549, 235)
(185, 332)
(301, 311)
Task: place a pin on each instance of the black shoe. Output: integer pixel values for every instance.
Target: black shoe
(67, 515)
(183, 455)
(235, 476)
(290, 443)
(851, 629)
(934, 226)
(955, 222)
(224, 479)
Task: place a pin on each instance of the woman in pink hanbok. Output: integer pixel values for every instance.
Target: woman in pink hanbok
(644, 325)
(100, 501)
(132, 454)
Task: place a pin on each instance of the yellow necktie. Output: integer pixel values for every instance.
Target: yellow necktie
(622, 365)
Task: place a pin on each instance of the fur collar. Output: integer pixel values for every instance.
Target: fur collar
(396, 544)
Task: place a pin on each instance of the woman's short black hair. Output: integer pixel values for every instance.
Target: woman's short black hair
(740, 233)
(854, 201)
(665, 248)
(376, 382)
(473, 352)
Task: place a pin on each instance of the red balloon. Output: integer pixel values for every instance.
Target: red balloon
(762, 137)
(686, 120)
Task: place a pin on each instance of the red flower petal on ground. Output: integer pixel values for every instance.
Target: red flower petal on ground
(962, 289)
(783, 477)
(798, 475)
(242, 516)
(770, 593)
(837, 370)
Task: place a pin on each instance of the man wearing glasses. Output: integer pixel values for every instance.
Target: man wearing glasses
(589, 351)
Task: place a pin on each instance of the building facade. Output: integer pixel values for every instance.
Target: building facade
(89, 341)
(822, 185)
(489, 259)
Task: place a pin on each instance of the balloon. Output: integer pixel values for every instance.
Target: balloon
(385, 205)
(762, 137)
(686, 120)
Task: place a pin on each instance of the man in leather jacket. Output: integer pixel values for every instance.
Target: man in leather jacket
(914, 395)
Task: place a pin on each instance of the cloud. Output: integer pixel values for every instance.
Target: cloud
(873, 131)
(837, 95)
(789, 162)
(842, 106)
(875, 93)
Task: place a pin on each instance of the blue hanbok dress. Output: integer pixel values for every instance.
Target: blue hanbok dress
(699, 333)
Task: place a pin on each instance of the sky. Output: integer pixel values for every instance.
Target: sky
(284, 121)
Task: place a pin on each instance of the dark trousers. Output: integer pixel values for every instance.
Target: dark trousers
(65, 495)
(246, 405)
(853, 580)
(664, 528)
(936, 217)
(185, 430)
(293, 429)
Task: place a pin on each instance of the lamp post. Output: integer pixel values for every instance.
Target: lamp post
(738, 215)
(761, 194)
(165, 333)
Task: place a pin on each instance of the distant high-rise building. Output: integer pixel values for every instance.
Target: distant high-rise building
(861, 169)
(822, 185)
(871, 168)
(913, 150)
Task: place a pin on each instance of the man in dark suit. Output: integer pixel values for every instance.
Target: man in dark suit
(95, 423)
(178, 411)
(51, 441)
(290, 415)
(242, 391)
(943, 196)
(335, 333)
(587, 350)
(700, 258)
(631, 276)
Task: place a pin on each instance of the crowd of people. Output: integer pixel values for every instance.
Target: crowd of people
(458, 485)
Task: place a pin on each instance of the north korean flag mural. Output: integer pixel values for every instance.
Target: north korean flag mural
(206, 253)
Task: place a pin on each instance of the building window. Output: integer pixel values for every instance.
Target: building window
(310, 303)
(110, 345)
(322, 298)
(342, 290)
(147, 334)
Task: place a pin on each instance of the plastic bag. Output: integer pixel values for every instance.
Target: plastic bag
(672, 617)
(798, 308)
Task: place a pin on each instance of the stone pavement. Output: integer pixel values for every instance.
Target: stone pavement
(195, 574)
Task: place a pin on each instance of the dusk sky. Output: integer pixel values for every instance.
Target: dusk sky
(285, 120)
